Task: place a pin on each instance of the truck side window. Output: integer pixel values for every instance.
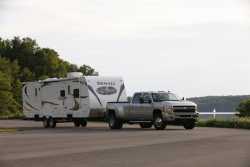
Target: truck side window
(76, 93)
(62, 93)
(146, 98)
(137, 98)
(156, 97)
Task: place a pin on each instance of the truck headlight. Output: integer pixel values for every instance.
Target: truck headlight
(168, 109)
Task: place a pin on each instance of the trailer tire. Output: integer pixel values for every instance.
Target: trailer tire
(77, 123)
(146, 125)
(51, 122)
(159, 124)
(83, 123)
(45, 123)
(189, 124)
(114, 123)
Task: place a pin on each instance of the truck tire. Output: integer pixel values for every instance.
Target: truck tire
(189, 124)
(83, 122)
(114, 123)
(45, 122)
(77, 123)
(159, 124)
(51, 123)
(146, 125)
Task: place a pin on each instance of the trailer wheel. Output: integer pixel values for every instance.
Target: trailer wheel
(51, 123)
(45, 122)
(83, 123)
(77, 123)
(114, 123)
(189, 124)
(146, 125)
(159, 124)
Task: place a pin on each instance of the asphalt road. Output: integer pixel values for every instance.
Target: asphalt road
(96, 145)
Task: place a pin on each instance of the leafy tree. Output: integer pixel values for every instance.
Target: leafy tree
(87, 70)
(23, 60)
(7, 102)
(244, 108)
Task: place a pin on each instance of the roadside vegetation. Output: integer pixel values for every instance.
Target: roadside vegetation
(242, 122)
(23, 60)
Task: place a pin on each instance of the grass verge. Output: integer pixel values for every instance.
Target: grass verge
(240, 123)
(17, 115)
(7, 130)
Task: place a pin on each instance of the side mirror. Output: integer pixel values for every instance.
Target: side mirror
(150, 101)
(183, 98)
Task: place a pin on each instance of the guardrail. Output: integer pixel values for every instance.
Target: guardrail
(214, 113)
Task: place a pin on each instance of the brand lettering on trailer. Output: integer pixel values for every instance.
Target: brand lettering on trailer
(105, 83)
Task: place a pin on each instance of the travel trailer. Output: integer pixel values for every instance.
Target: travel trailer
(71, 99)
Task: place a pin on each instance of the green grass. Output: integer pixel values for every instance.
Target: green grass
(240, 123)
(16, 115)
(7, 130)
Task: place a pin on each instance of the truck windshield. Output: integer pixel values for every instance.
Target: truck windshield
(158, 97)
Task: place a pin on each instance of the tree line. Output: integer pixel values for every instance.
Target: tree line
(23, 60)
(239, 104)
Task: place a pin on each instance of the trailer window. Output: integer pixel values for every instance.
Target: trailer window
(35, 91)
(62, 93)
(68, 89)
(76, 93)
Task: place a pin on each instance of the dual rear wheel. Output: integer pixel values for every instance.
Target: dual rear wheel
(114, 122)
(80, 122)
(49, 122)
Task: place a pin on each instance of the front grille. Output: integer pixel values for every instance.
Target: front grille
(184, 108)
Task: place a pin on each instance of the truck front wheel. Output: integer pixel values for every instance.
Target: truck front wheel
(189, 124)
(114, 123)
(159, 124)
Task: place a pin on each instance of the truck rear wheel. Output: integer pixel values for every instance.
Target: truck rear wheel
(114, 123)
(189, 124)
(159, 124)
(146, 125)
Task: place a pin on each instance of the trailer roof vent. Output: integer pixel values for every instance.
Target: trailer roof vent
(50, 79)
(74, 75)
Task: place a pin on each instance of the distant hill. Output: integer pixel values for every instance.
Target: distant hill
(220, 103)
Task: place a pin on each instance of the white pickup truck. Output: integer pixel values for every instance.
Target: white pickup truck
(152, 108)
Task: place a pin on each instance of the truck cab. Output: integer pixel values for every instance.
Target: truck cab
(153, 108)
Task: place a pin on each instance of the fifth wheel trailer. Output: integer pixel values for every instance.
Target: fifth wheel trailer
(71, 99)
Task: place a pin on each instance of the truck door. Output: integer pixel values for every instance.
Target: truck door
(146, 112)
(134, 112)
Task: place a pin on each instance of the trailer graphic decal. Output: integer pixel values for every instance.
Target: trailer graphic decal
(31, 106)
(76, 106)
(106, 90)
(120, 93)
(49, 102)
(92, 90)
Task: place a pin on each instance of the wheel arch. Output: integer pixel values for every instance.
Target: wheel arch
(156, 112)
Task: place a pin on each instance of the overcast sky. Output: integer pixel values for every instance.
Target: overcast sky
(192, 47)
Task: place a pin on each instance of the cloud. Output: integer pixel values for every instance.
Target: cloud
(163, 43)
